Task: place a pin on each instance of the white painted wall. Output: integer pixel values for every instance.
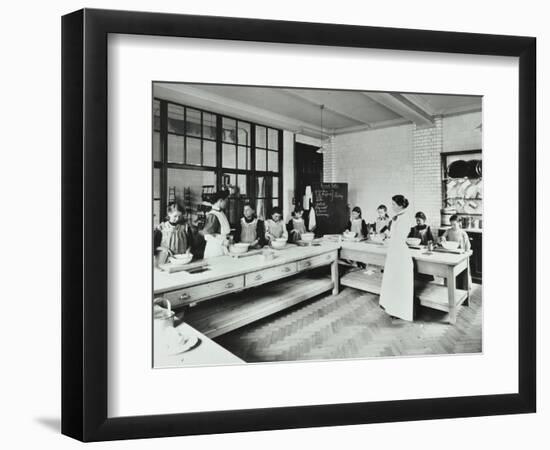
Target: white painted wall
(376, 165)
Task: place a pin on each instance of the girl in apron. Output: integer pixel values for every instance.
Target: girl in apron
(397, 293)
(250, 229)
(275, 227)
(296, 225)
(421, 230)
(382, 225)
(216, 228)
(357, 224)
(173, 236)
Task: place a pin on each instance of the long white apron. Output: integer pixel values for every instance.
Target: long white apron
(397, 294)
(214, 243)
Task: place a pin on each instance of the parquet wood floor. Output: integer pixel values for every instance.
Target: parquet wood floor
(352, 325)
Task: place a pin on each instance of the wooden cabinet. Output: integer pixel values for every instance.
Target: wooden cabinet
(475, 259)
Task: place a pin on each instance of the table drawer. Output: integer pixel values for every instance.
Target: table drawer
(273, 273)
(316, 261)
(203, 291)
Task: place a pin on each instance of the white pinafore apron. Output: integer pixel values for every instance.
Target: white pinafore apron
(214, 243)
(397, 294)
(248, 231)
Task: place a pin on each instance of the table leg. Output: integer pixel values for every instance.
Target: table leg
(335, 277)
(451, 287)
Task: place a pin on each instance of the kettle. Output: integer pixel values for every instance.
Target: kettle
(163, 318)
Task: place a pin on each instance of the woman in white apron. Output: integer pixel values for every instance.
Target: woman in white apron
(216, 228)
(397, 294)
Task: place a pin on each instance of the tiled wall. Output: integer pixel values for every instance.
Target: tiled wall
(427, 144)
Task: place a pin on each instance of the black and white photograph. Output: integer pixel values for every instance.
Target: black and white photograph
(301, 224)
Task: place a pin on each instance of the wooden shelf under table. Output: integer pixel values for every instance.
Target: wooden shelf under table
(228, 313)
(431, 295)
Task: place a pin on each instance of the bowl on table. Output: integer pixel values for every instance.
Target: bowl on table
(413, 241)
(377, 238)
(308, 237)
(449, 245)
(239, 248)
(181, 259)
(278, 243)
(349, 235)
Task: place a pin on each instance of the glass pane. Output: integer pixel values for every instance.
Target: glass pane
(156, 115)
(260, 160)
(156, 146)
(273, 161)
(156, 183)
(261, 136)
(191, 187)
(275, 187)
(176, 123)
(209, 125)
(229, 157)
(156, 213)
(229, 130)
(175, 149)
(242, 185)
(229, 180)
(275, 202)
(193, 122)
(209, 153)
(193, 151)
(244, 157)
(244, 133)
(273, 139)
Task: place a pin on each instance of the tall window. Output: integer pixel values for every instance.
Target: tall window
(197, 152)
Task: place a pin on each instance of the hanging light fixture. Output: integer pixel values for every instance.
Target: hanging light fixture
(322, 148)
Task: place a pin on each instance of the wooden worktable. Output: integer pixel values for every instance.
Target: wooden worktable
(248, 280)
(445, 265)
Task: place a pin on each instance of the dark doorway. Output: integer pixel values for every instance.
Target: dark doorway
(308, 169)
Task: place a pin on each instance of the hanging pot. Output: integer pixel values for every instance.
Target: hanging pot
(472, 168)
(478, 168)
(458, 169)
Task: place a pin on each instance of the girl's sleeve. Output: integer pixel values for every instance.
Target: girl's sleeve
(260, 233)
(238, 229)
(289, 226)
(212, 225)
(429, 235)
(364, 228)
(411, 233)
(285, 233)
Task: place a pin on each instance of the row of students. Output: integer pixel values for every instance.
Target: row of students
(421, 230)
(175, 236)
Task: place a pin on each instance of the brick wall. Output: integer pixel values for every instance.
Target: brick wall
(426, 150)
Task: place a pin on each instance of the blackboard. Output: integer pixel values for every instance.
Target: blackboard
(330, 201)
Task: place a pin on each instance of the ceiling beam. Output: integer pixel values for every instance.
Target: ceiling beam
(402, 107)
(328, 107)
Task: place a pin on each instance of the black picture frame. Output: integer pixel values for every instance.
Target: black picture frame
(84, 224)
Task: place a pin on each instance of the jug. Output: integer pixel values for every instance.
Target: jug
(163, 317)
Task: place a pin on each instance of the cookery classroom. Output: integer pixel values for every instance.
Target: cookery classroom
(307, 224)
